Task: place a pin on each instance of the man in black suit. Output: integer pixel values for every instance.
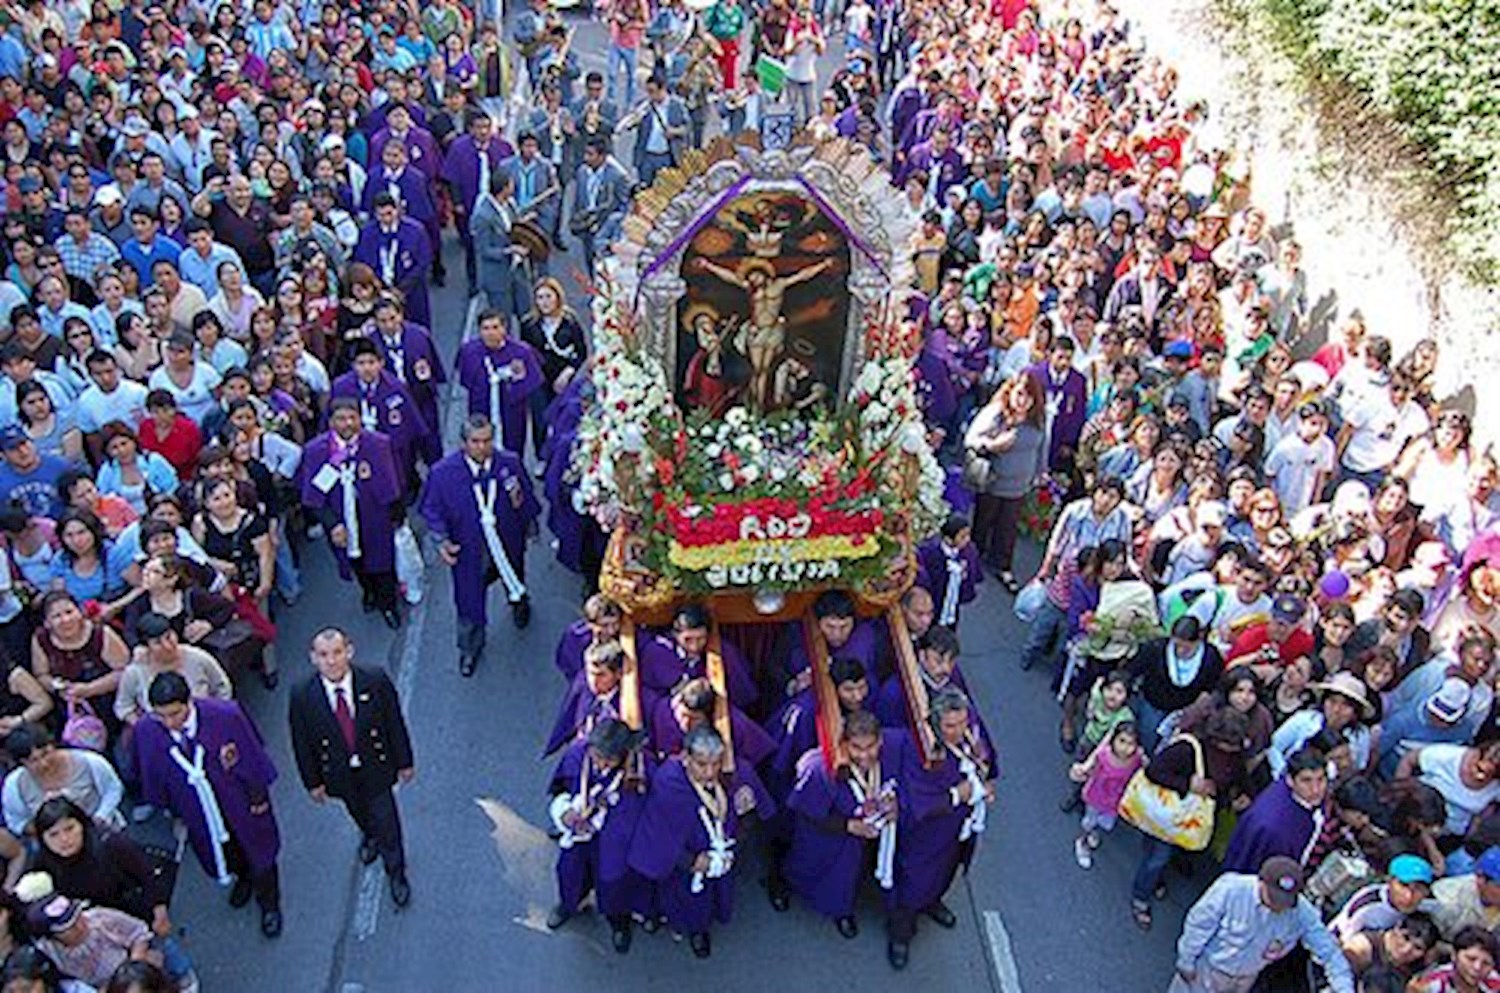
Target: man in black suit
(351, 743)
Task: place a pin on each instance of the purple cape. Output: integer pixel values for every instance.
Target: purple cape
(581, 709)
(668, 838)
(580, 539)
(1275, 824)
(397, 416)
(601, 864)
(461, 168)
(662, 668)
(451, 511)
(239, 770)
(752, 745)
(826, 864)
(928, 852)
(378, 491)
(470, 372)
(576, 637)
(414, 360)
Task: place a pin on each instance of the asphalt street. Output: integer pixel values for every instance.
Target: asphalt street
(480, 862)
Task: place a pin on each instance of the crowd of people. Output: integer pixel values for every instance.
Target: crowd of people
(1268, 596)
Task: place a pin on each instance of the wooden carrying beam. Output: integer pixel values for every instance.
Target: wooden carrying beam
(913, 689)
(830, 716)
(721, 693)
(630, 678)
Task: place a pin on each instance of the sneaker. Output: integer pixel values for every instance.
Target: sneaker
(1093, 839)
(1083, 853)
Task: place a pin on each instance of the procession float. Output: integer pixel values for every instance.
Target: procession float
(755, 435)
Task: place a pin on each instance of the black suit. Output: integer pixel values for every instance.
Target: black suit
(383, 746)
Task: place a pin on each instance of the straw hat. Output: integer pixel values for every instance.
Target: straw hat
(1351, 687)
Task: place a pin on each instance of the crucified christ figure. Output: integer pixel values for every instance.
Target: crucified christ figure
(763, 337)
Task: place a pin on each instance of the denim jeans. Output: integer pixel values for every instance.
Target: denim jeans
(288, 578)
(626, 58)
(1148, 719)
(1155, 855)
(803, 100)
(1045, 634)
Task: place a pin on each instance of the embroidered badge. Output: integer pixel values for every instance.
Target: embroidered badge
(364, 470)
(229, 755)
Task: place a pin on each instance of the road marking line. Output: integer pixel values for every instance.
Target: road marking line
(1000, 952)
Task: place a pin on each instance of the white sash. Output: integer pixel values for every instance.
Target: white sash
(592, 803)
(979, 807)
(720, 850)
(351, 509)
(396, 355)
(484, 499)
(495, 377)
(213, 817)
(949, 614)
(388, 260)
(369, 416)
(885, 853)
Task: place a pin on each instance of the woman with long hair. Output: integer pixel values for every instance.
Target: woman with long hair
(1007, 431)
(553, 330)
(53, 432)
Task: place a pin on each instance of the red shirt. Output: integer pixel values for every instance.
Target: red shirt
(1253, 639)
(179, 446)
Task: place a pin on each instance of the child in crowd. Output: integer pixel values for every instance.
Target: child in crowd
(1104, 775)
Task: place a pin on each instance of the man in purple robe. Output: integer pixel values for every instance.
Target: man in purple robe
(692, 703)
(1066, 393)
(499, 373)
(349, 483)
(594, 695)
(943, 812)
(906, 103)
(667, 659)
(400, 252)
(412, 188)
(480, 508)
(598, 793)
(937, 667)
(918, 611)
(581, 542)
(794, 726)
(846, 637)
(1287, 817)
(204, 761)
(421, 150)
(411, 356)
(472, 159)
(843, 815)
(948, 568)
(385, 405)
(600, 623)
(685, 839)
(941, 163)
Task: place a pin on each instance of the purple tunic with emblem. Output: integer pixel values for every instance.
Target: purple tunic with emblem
(409, 188)
(826, 864)
(669, 836)
(239, 770)
(421, 151)
(934, 576)
(1275, 824)
(461, 170)
(413, 359)
(928, 852)
(402, 259)
(472, 371)
(451, 509)
(663, 666)
(581, 709)
(377, 490)
(601, 864)
(387, 406)
(1069, 399)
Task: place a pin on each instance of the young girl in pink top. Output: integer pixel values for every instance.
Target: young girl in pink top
(1104, 775)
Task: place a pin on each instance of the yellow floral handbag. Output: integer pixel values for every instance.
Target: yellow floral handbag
(1184, 821)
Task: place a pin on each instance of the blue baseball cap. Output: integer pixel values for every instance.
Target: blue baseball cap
(12, 437)
(1411, 869)
(1488, 865)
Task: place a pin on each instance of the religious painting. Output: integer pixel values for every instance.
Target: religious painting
(764, 319)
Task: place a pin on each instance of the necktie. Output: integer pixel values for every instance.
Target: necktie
(345, 717)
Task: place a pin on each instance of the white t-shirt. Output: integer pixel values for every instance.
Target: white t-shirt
(1294, 466)
(1380, 432)
(197, 398)
(95, 408)
(1224, 629)
(1438, 767)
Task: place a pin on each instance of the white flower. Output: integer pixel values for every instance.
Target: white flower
(726, 481)
(875, 413)
(713, 451)
(736, 417)
(778, 474)
(750, 443)
(750, 473)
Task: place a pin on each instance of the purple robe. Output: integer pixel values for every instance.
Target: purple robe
(421, 151)
(413, 359)
(935, 384)
(409, 189)
(1275, 824)
(580, 539)
(601, 864)
(461, 170)
(387, 406)
(944, 170)
(1071, 400)
(581, 709)
(928, 852)
(663, 666)
(890, 706)
(472, 371)
(826, 864)
(451, 509)
(239, 770)
(752, 745)
(576, 638)
(905, 106)
(933, 574)
(402, 259)
(863, 646)
(668, 837)
(378, 490)
(374, 120)
(960, 498)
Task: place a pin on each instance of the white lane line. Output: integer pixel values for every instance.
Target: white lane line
(1000, 952)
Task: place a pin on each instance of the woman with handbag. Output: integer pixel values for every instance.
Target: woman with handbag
(1004, 456)
(1172, 800)
(207, 620)
(77, 658)
(238, 543)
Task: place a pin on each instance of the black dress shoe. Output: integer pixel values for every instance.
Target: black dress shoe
(466, 665)
(941, 915)
(367, 851)
(392, 618)
(848, 927)
(239, 894)
(558, 917)
(620, 936)
(897, 953)
(701, 946)
(270, 923)
(520, 611)
(400, 890)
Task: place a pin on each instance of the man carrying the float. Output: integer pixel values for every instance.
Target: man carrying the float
(480, 507)
(666, 660)
(350, 484)
(596, 694)
(601, 622)
(500, 374)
